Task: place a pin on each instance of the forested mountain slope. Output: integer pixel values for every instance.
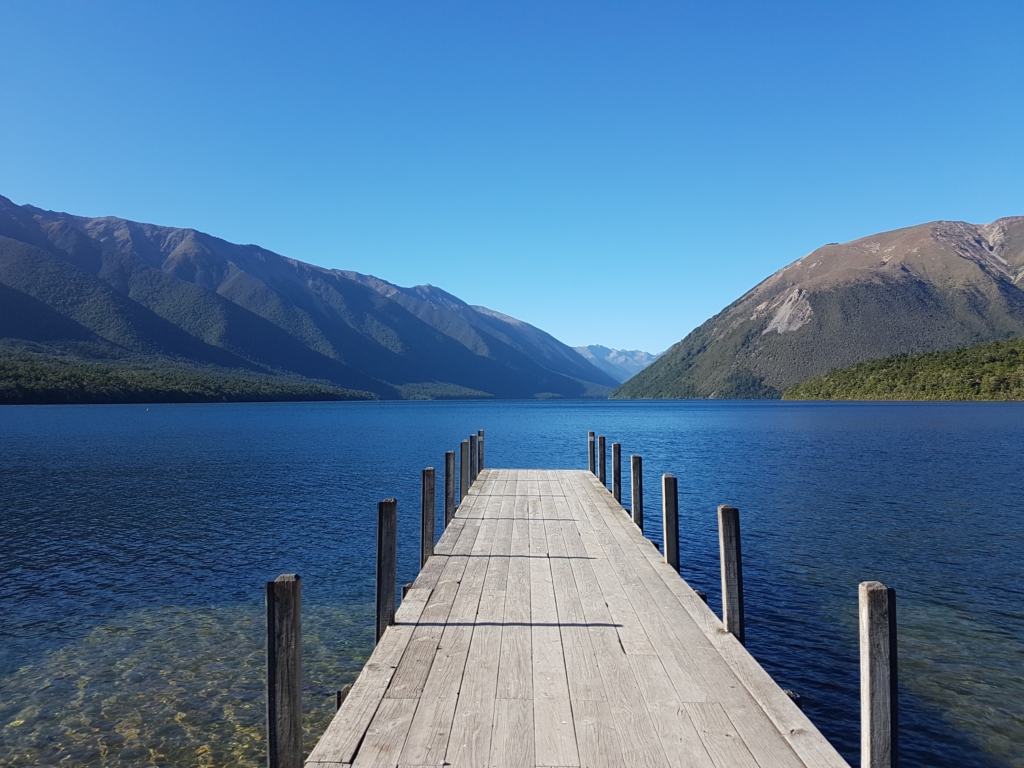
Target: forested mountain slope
(104, 289)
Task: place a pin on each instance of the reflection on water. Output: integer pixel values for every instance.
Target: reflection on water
(169, 687)
(135, 543)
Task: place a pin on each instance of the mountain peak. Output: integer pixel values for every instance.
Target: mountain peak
(934, 286)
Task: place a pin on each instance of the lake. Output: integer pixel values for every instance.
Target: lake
(136, 542)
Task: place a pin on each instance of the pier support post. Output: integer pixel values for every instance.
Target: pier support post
(449, 487)
(464, 471)
(480, 449)
(636, 476)
(472, 459)
(617, 472)
(427, 515)
(670, 519)
(732, 570)
(590, 453)
(284, 672)
(601, 456)
(879, 704)
(387, 557)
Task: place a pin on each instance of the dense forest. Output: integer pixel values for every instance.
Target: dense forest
(992, 371)
(27, 378)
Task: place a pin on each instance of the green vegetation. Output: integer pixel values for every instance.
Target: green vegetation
(992, 371)
(27, 378)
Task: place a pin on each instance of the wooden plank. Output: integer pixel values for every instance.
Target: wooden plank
(596, 729)
(427, 741)
(582, 671)
(554, 729)
(567, 641)
(339, 743)
(386, 733)
(719, 736)
(802, 736)
(496, 579)
(610, 604)
(512, 736)
(412, 674)
(515, 679)
(683, 747)
(449, 661)
(759, 732)
(470, 740)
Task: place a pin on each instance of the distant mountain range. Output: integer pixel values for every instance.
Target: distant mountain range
(620, 364)
(935, 286)
(121, 292)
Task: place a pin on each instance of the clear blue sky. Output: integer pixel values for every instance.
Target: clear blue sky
(613, 172)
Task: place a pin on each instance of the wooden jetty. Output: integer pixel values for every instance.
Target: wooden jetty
(545, 630)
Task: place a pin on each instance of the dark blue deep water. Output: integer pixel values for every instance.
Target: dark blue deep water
(135, 543)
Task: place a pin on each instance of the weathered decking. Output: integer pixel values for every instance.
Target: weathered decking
(547, 631)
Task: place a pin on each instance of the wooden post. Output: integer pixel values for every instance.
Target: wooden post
(387, 557)
(427, 515)
(637, 501)
(879, 703)
(732, 570)
(284, 672)
(480, 449)
(601, 454)
(590, 453)
(340, 696)
(617, 472)
(670, 519)
(464, 471)
(472, 459)
(449, 487)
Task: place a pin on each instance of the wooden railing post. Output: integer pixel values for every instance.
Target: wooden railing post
(617, 472)
(636, 476)
(472, 459)
(427, 515)
(670, 519)
(601, 455)
(879, 702)
(449, 487)
(732, 570)
(590, 453)
(387, 557)
(284, 672)
(464, 471)
(480, 449)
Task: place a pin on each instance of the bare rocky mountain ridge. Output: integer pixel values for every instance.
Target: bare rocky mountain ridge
(620, 364)
(112, 289)
(935, 286)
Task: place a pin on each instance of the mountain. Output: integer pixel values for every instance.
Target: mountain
(935, 286)
(620, 364)
(108, 289)
(990, 371)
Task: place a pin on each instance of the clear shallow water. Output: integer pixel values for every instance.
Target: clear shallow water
(134, 545)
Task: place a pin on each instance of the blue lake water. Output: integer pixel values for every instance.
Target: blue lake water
(135, 542)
